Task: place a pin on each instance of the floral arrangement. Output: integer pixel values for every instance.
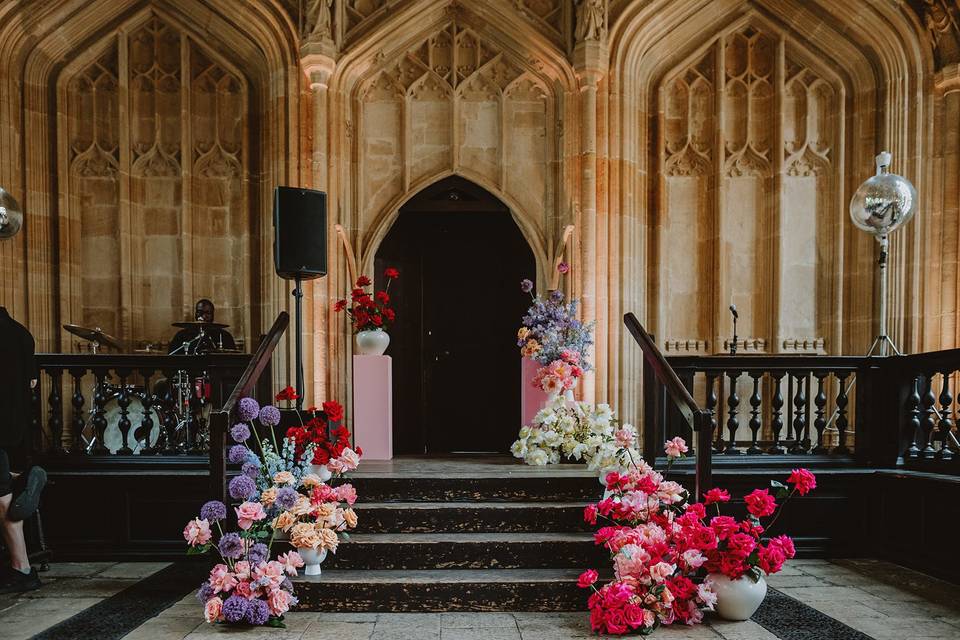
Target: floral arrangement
(277, 495)
(663, 548)
(577, 432)
(329, 441)
(552, 332)
(369, 311)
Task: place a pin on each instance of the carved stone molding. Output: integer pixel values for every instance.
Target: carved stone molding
(746, 345)
(803, 345)
(686, 346)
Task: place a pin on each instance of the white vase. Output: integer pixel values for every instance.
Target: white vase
(372, 342)
(312, 559)
(320, 470)
(737, 599)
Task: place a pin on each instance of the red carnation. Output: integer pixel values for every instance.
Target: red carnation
(391, 273)
(340, 306)
(363, 281)
(383, 297)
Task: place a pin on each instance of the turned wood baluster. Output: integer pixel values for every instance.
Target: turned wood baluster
(124, 403)
(842, 420)
(820, 423)
(711, 406)
(99, 415)
(913, 412)
(55, 401)
(929, 400)
(755, 423)
(776, 424)
(169, 416)
(733, 401)
(800, 416)
(946, 422)
(146, 425)
(78, 421)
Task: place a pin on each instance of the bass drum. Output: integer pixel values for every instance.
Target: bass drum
(136, 439)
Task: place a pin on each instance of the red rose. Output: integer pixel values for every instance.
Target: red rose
(363, 281)
(287, 394)
(587, 578)
(383, 297)
(356, 294)
(377, 320)
(391, 316)
(391, 273)
(716, 495)
(334, 411)
(760, 503)
(803, 481)
(590, 514)
(340, 306)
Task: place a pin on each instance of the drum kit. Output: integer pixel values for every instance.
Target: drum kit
(185, 397)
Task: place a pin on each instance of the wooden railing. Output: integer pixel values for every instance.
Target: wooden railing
(220, 420)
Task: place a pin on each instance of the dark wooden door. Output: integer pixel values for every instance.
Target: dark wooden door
(456, 365)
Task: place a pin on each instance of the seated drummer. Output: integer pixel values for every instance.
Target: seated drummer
(215, 338)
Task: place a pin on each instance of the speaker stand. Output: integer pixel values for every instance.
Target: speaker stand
(298, 297)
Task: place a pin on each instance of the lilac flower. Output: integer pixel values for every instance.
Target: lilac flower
(258, 553)
(526, 286)
(250, 469)
(237, 454)
(257, 611)
(231, 546)
(213, 511)
(204, 593)
(240, 432)
(242, 487)
(286, 497)
(234, 608)
(269, 416)
(247, 409)
(556, 295)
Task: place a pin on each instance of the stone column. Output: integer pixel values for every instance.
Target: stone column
(945, 237)
(590, 63)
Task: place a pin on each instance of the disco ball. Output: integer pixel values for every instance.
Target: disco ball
(884, 201)
(11, 217)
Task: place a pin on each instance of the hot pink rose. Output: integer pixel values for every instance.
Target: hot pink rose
(197, 532)
(221, 579)
(675, 448)
(616, 623)
(279, 602)
(716, 495)
(248, 513)
(346, 493)
(771, 559)
(633, 615)
(786, 545)
(291, 561)
(587, 578)
(760, 503)
(803, 481)
(211, 611)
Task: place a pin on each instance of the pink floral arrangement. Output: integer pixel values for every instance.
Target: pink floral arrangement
(662, 547)
(560, 375)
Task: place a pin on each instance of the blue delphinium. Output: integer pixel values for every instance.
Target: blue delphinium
(231, 546)
(258, 553)
(242, 487)
(213, 511)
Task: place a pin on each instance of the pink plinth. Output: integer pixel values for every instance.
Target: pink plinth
(531, 398)
(373, 406)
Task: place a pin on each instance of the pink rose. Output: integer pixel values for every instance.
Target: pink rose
(675, 448)
(197, 532)
(648, 618)
(346, 493)
(248, 513)
(348, 461)
(616, 623)
(279, 602)
(242, 570)
(291, 561)
(243, 589)
(624, 436)
(211, 611)
(221, 579)
(661, 571)
(693, 558)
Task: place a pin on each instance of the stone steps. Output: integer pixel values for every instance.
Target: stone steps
(467, 551)
(471, 517)
(442, 590)
(539, 488)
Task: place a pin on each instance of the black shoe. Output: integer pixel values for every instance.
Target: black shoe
(17, 582)
(26, 502)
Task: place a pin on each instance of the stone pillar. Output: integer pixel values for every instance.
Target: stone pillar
(944, 237)
(590, 63)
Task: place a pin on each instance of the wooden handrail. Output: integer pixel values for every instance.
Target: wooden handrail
(220, 420)
(697, 418)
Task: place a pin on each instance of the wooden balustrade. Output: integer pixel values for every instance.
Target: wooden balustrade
(925, 388)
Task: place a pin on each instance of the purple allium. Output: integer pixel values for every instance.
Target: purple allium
(556, 295)
(247, 409)
(269, 416)
(234, 608)
(526, 285)
(213, 511)
(237, 454)
(242, 487)
(250, 469)
(258, 553)
(257, 611)
(204, 593)
(231, 546)
(286, 497)
(240, 432)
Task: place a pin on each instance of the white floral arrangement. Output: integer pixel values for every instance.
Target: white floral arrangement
(576, 431)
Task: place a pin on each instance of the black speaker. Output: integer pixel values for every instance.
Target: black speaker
(299, 233)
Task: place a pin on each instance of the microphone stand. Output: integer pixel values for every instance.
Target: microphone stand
(733, 345)
(298, 297)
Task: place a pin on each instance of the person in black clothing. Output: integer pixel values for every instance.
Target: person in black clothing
(214, 338)
(17, 376)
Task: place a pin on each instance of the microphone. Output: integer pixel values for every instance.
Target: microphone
(733, 343)
(733, 310)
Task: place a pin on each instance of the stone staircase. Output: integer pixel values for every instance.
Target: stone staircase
(468, 536)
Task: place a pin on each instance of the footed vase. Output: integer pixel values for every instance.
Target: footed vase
(737, 599)
(312, 558)
(372, 342)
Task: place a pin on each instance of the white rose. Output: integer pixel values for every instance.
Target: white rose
(536, 457)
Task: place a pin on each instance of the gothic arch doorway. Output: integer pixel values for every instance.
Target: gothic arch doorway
(456, 369)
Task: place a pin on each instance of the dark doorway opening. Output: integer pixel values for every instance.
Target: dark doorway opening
(456, 368)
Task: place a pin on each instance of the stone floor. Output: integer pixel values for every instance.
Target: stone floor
(881, 600)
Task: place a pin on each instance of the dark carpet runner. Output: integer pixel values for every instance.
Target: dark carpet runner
(790, 619)
(123, 612)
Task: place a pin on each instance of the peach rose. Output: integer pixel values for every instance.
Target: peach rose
(197, 532)
(284, 521)
(284, 477)
(211, 611)
(348, 461)
(268, 496)
(311, 480)
(279, 602)
(248, 513)
(329, 540)
(302, 506)
(304, 536)
(350, 516)
(243, 589)
(324, 510)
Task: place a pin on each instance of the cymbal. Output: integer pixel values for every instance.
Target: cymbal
(94, 335)
(198, 324)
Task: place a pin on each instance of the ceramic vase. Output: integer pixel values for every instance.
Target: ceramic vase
(372, 342)
(737, 599)
(312, 558)
(320, 470)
